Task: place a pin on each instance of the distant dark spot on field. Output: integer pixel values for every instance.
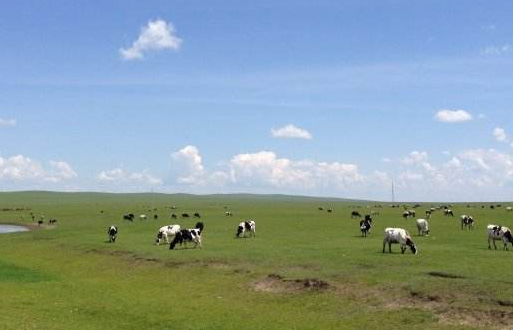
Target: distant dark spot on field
(506, 303)
(445, 275)
(277, 284)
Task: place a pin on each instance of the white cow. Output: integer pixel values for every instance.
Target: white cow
(398, 235)
(497, 233)
(423, 227)
(143, 217)
(509, 208)
(112, 231)
(167, 232)
(244, 226)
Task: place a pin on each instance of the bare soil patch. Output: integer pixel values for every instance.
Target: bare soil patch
(277, 284)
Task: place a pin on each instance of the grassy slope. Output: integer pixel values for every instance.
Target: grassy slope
(69, 277)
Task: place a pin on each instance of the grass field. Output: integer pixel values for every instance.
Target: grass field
(306, 269)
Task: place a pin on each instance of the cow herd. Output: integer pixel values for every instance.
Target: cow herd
(174, 234)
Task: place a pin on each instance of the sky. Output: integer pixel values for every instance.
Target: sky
(320, 98)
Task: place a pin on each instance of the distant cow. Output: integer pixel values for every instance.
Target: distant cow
(398, 235)
(246, 226)
(197, 215)
(355, 214)
(228, 214)
(112, 231)
(448, 212)
(188, 235)
(467, 222)
(422, 227)
(155, 216)
(509, 208)
(497, 233)
(365, 226)
(173, 216)
(143, 217)
(330, 210)
(52, 221)
(185, 215)
(321, 208)
(428, 214)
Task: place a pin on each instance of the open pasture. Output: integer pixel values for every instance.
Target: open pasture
(305, 269)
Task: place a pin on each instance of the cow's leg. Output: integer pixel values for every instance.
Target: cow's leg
(390, 247)
(384, 244)
(494, 245)
(403, 248)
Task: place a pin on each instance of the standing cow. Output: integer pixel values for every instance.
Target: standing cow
(401, 236)
(112, 231)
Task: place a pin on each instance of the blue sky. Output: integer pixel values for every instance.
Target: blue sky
(183, 96)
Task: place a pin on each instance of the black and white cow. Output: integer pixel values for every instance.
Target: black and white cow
(244, 226)
(428, 214)
(448, 212)
(188, 235)
(228, 214)
(398, 235)
(112, 231)
(167, 232)
(497, 233)
(467, 222)
(365, 226)
(355, 214)
(129, 217)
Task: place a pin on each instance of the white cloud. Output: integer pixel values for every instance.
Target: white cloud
(7, 122)
(121, 176)
(496, 50)
(415, 157)
(453, 116)
(156, 35)
(500, 134)
(188, 163)
(292, 132)
(490, 27)
(20, 168)
(386, 160)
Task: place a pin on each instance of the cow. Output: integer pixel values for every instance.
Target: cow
(166, 232)
(509, 209)
(467, 222)
(197, 215)
(228, 214)
(398, 235)
(143, 217)
(188, 235)
(497, 233)
(428, 214)
(129, 217)
(155, 216)
(365, 226)
(355, 214)
(185, 215)
(448, 212)
(244, 226)
(173, 216)
(422, 227)
(52, 221)
(112, 231)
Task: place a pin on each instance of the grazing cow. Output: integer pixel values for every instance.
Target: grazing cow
(509, 208)
(365, 226)
(467, 222)
(422, 227)
(197, 215)
(428, 214)
(185, 215)
(448, 212)
(166, 232)
(143, 217)
(248, 225)
(406, 214)
(52, 221)
(188, 235)
(321, 208)
(355, 214)
(173, 216)
(155, 216)
(398, 235)
(112, 231)
(330, 210)
(496, 233)
(39, 222)
(228, 214)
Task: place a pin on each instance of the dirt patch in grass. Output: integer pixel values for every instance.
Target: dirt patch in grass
(488, 319)
(445, 275)
(277, 284)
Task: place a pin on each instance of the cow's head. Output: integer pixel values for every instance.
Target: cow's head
(412, 246)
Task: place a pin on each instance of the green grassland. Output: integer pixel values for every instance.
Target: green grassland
(306, 269)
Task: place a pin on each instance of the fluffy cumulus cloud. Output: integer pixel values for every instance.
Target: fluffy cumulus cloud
(291, 132)
(120, 176)
(188, 164)
(20, 168)
(156, 35)
(500, 134)
(7, 122)
(453, 116)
